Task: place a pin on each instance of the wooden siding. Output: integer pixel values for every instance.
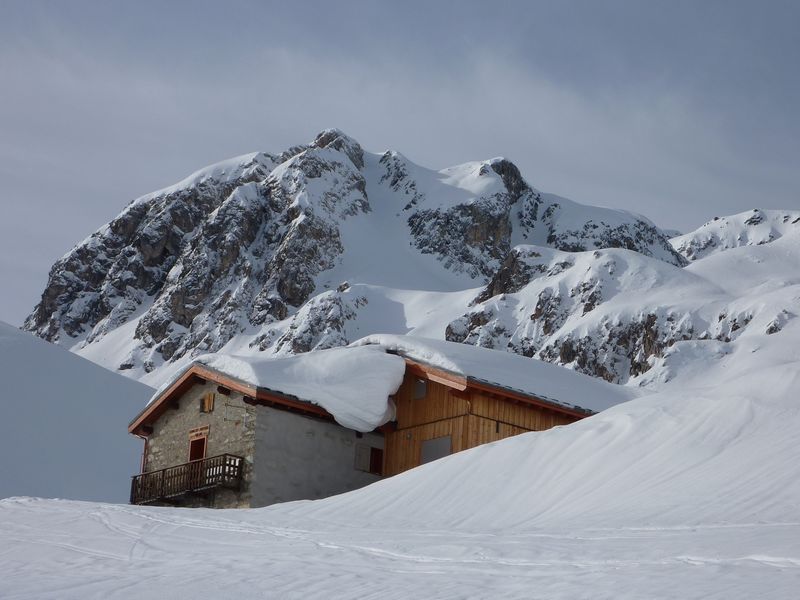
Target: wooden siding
(470, 417)
(482, 431)
(440, 402)
(530, 418)
(403, 448)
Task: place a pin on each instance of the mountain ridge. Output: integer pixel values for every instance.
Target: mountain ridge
(325, 242)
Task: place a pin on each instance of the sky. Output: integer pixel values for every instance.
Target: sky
(678, 110)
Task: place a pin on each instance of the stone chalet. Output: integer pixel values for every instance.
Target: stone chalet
(245, 432)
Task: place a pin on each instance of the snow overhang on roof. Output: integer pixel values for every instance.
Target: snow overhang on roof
(350, 385)
(507, 373)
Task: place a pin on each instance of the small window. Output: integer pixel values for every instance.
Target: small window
(197, 448)
(435, 449)
(207, 402)
(420, 389)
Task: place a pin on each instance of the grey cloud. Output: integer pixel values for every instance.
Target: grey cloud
(680, 111)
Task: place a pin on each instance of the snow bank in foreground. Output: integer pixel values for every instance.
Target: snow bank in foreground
(353, 384)
(62, 433)
(527, 375)
(81, 551)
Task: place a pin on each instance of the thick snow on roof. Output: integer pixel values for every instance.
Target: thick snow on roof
(511, 371)
(352, 384)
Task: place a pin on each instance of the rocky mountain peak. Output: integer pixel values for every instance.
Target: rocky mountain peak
(337, 139)
(248, 253)
(511, 176)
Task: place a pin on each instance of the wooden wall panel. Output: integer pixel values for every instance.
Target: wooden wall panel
(439, 403)
(514, 413)
(482, 431)
(472, 417)
(403, 448)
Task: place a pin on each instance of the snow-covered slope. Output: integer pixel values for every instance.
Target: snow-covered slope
(62, 433)
(625, 317)
(754, 227)
(255, 252)
(689, 490)
(689, 493)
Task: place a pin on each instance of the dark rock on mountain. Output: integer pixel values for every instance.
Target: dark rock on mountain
(240, 249)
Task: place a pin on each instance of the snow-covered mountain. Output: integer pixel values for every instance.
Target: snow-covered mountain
(62, 433)
(256, 252)
(690, 490)
(749, 228)
(622, 316)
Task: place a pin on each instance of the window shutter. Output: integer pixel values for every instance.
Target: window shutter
(207, 403)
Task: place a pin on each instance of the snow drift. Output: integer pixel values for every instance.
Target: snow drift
(688, 493)
(63, 432)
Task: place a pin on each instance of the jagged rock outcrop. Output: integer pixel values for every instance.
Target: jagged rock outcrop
(612, 313)
(235, 244)
(246, 249)
(477, 234)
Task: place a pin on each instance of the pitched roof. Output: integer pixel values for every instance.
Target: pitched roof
(507, 371)
(353, 384)
(350, 384)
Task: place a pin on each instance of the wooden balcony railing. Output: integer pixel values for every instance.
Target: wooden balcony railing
(224, 470)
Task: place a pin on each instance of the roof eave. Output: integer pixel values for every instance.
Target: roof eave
(258, 394)
(461, 382)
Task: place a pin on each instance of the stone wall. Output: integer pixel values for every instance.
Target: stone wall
(302, 458)
(232, 427)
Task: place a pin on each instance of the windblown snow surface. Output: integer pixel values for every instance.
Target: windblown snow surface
(62, 431)
(692, 491)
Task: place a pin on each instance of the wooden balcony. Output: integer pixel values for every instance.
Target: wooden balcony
(198, 476)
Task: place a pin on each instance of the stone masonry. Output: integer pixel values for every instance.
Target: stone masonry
(231, 430)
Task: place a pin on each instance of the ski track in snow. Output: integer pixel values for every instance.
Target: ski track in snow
(124, 552)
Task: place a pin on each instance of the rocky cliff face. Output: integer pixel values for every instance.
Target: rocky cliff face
(593, 311)
(244, 255)
(625, 317)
